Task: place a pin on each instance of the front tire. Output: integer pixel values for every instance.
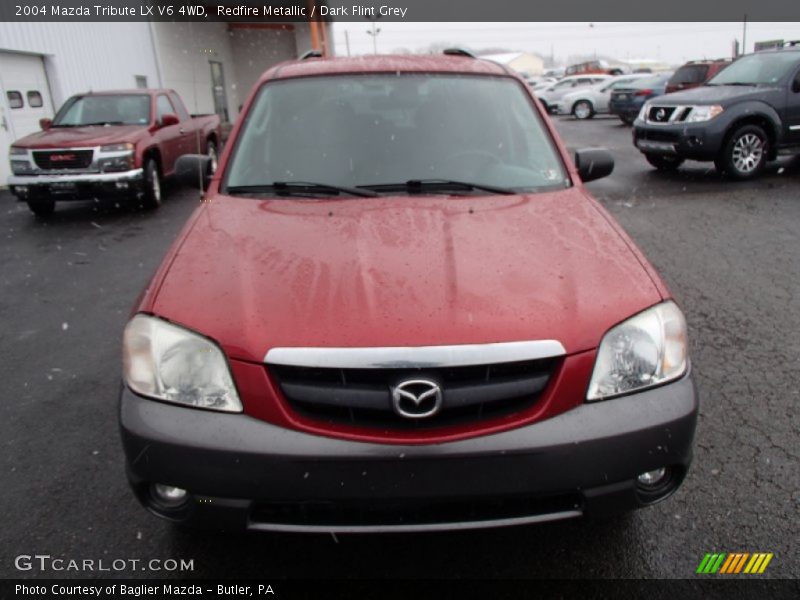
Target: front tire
(744, 154)
(627, 119)
(152, 184)
(664, 163)
(42, 208)
(583, 109)
(213, 154)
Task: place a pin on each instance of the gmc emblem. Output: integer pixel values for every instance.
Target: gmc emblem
(61, 157)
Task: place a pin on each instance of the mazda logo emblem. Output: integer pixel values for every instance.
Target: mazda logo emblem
(417, 398)
(661, 114)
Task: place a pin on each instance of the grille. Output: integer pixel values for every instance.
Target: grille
(363, 396)
(658, 136)
(376, 512)
(660, 114)
(63, 159)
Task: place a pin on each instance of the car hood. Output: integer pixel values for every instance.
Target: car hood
(402, 271)
(69, 137)
(717, 94)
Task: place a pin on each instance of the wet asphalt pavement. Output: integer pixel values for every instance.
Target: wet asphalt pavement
(730, 253)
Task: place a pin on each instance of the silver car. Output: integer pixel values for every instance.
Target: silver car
(588, 101)
(552, 94)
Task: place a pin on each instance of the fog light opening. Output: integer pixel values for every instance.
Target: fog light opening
(651, 480)
(122, 185)
(168, 496)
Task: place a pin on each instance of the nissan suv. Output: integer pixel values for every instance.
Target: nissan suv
(740, 119)
(397, 309)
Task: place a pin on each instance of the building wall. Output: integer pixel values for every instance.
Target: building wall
(256, 50)
(184, 53)
(528, 63)
(76, 56)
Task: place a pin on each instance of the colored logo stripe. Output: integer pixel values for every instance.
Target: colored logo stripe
(734, 562)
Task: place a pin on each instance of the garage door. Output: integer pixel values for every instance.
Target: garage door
(25, 99)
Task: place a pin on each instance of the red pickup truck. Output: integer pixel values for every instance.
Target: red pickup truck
(115, 142)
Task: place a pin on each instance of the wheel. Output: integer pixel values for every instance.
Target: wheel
(745, 153)
(213, 154)
(627, 119)
(42, 208)
(583, 109)
(152, 184)
(664, 163)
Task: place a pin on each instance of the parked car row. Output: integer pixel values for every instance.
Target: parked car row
(737, 114)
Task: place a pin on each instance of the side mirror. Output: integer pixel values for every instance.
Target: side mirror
(194, 170)
(593, 163)
(45, 123)
(169, 119)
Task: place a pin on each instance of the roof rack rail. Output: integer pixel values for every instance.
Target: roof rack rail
(458, 52)
(311, 54)
(791, 43)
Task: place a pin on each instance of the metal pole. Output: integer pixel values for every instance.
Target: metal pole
(347, 41)
(374, 39)
(744, 35)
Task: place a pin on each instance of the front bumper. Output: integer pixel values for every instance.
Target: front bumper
(67, 186)
(698, 141)
(243, 473)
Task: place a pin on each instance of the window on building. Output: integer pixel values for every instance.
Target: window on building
(141, 81)
(35, 99)
(14, 99)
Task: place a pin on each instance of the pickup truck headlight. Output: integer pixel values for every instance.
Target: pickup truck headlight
(698, 114)
(643, 112)
(646, 350)
(170, 363)
(15, 151)
(121, 158)
(125, 147)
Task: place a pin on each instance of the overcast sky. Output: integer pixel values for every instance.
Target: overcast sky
(669, 42)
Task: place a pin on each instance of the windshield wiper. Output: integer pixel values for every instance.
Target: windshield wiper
(417, 186)
(741, 83)
(101, 123)
(286, 188)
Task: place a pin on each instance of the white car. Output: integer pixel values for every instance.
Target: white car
(552, 94)
(591, 100)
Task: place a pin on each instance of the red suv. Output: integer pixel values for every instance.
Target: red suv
(694, 74)
(399, 308)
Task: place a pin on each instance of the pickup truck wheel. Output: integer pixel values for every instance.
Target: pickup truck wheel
(745, 153)
(583, 109)
(664, 163)
(152, 184)
(628, 120)
(211, 152)
(42, 208)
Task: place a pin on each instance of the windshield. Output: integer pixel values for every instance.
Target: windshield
(129, 109)
(757, 69)
(383, 129)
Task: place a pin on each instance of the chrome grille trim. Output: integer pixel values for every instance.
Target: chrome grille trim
(415, 357)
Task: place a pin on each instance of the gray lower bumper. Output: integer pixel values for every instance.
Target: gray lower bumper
(232, 463)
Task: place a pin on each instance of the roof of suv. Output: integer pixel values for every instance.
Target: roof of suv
(384, 64)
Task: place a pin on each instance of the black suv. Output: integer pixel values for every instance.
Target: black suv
(743, 117)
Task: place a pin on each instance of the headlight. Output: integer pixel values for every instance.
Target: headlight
(14, 151)
(117, 163)
(22, 167)
(643, 113)
(699, 114)
(646, 350)
(126, 147)
(166, 362)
